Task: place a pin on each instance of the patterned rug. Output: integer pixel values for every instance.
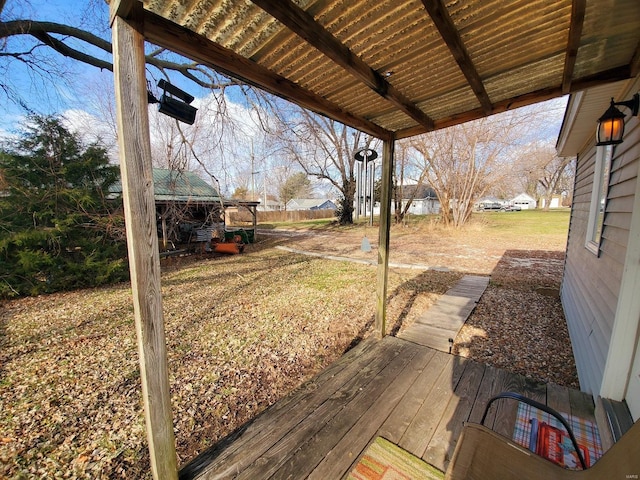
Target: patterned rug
(543, 434)
(385, 461)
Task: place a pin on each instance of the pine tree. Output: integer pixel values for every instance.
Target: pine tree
(58, 228)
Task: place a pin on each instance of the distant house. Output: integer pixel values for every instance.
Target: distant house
(270, 206)
(556, 202)
(524, 201)
(424, 199)
(310, 204)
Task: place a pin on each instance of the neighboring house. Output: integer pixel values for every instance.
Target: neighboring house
(269, 206)
(601, 281)
(425, 201)
(524, 201)
(310, 204)
(555, 202)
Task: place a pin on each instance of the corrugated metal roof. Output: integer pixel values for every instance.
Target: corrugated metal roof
(173, 185)
(406, 66)
(178, 186)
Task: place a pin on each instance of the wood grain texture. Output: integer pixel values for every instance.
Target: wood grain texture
(313, 451)
(398, 422)
(275, 423)
(142, 243)
(422, 428)
(442, 322)
(382, 273)
(409, 394)
(440, 450)
(167, 34)
(344, 454)
(305, 26)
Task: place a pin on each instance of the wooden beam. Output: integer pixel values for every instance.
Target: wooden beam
(440, 16)
(578, 8)
(305, 26)
(122, 8)
(172, 36)
(384, 230)
(635, 62)
(142, 241)
(609, 76)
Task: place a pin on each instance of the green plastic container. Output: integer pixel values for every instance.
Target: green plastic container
(246, 235)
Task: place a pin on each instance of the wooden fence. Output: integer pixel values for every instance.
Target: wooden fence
(282, 216)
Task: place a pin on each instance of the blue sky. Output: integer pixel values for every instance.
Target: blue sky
(57, 92)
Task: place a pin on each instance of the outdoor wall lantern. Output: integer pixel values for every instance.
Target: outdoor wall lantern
(174, 102)
(611, 123)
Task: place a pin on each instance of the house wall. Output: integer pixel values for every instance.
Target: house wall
(591, 284)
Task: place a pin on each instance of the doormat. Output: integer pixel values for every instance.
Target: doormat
(544, 435)
(384, 460)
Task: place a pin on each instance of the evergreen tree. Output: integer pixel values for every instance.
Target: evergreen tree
(297, 185)
(58, 229)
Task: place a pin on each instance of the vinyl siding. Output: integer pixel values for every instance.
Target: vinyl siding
(591, 283)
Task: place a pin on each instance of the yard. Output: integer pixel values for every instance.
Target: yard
(242, 331)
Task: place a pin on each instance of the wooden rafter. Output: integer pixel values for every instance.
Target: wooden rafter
(122, 8)
(608, 76)
(165, 33)
(305, 26)
(635, 62)
(440, 16)
(578, 8)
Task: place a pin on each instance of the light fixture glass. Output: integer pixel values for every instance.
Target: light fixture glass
(611, 124)
(610, 127)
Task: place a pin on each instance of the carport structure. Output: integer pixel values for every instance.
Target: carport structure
(390, 68)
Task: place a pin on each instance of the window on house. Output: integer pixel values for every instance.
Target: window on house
(598, 207)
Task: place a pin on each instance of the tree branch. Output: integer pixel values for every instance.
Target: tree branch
(42, 31)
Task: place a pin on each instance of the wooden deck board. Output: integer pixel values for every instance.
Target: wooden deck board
(400, 419)
(582, 405)
(446, 317)
(244, 446)
(440, 449)
(418, 435)
(558, 398)
(273, 458)
(412, 395)
(340, 459)
(324, 440)
(488, 388)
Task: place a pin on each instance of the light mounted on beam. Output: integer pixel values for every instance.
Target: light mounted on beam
(174, 102)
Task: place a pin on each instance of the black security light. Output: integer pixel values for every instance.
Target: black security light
(611, 123)
(174, 102)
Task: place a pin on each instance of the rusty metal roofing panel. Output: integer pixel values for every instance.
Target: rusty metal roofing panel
(514, 48)
(608, 39)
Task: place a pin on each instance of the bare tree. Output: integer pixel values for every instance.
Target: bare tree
(405, 172)
(464, 162)
(325, 149)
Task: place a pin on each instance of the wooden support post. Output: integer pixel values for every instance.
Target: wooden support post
(383, 236)
(142, 240)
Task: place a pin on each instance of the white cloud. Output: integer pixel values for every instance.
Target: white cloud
(90, 128)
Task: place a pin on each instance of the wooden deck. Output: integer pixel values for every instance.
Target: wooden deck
(413, 395)
(438, 326)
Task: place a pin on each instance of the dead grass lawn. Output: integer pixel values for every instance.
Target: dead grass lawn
(242, 331)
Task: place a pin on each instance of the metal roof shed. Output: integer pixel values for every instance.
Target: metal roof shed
(390, 68)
